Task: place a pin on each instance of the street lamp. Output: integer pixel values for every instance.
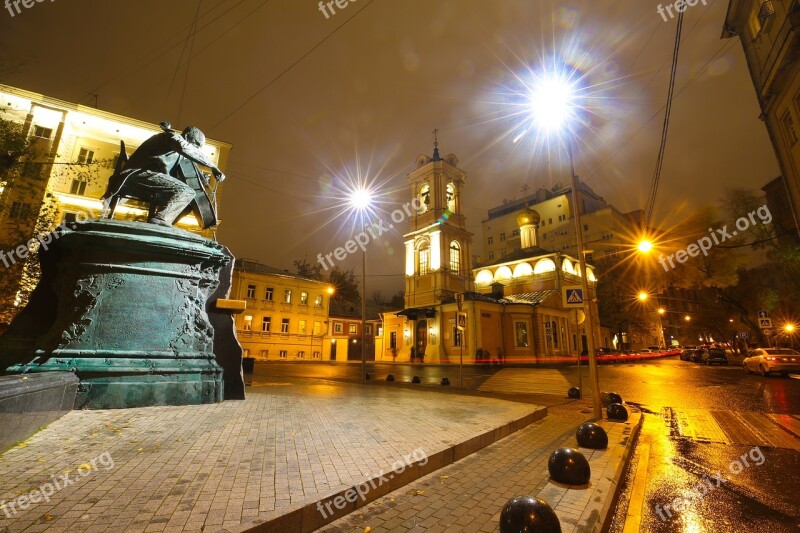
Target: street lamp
(643, 296)
(360, 202)
(645, 246)
(554, 101)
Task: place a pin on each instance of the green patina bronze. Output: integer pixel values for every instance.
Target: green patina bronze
(124, 306)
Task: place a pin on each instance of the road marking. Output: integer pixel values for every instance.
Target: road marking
(633, 520)
(529, 381)
(699, 425)
(787, 422)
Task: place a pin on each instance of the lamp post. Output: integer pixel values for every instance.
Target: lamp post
(553, 104)
(360, 201)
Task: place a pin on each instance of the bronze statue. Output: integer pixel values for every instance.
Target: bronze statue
(163, 172)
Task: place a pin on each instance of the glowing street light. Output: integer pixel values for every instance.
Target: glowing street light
(788, 328)
(360, 201)
(645, 246)
(687, 318)
(661, 310)
(554, 103)
(643, 296)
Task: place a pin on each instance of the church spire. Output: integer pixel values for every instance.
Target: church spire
(436, 145)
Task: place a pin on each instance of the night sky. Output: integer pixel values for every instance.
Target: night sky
(310, 103)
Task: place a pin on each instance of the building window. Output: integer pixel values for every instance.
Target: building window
(301, 354)
(317, 328)
(788, 128)
(283, 353)
(424, 260)
(555, 330)
(69, 218)
(515, 233)
(78, 187)
(367, 330)
(393, 340)
(316, 355)
(491, 255)
(301, 327)
(304, 298)
(268, 294)
(247, 325)
(586, 227)
(20, 210)
(353, 329)
(318, 301)
(266, 324)
(251, 291)
(85, 156)
(521, 334)
(337, 327)
(32, 169)
(491, 240)
(502, 237)
(284, 325)
(265, 354)
(287, 296)
(549, 220)
(502, 253)
(42, 133)
(455, 257)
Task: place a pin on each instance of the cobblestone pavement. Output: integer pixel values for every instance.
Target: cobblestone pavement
(467, 496)
(193, 468)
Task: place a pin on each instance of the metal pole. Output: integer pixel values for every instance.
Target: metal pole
(597, 410)
(363, 314)
(461, 358)
(580, 376)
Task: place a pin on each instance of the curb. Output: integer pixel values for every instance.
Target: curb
(305, 516)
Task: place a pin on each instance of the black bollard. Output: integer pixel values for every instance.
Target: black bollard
(390, 377)
(612, 397)
(617, 411)
(574, 392)
(525, 514)
(366, 377)
(569, 466)
(415, 379)
(445, 381)
(590, 435)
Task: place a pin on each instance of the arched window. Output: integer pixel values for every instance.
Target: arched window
(451, 197)
(425, 198)
(455, 257)
(484, 277)
(424, 264)
(522, 270)
(502, 273)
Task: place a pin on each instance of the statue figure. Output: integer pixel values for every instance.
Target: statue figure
(163, 172)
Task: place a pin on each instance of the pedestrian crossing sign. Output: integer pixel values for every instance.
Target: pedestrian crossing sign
(765, 323)
(572, 296)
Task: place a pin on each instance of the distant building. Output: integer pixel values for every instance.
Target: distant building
(345, 331)
(512, 307)
(75, 150)
(286, 317)
(606, 230)
(769, 31)
(778, 202)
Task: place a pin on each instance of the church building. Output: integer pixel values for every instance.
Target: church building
(524, 307)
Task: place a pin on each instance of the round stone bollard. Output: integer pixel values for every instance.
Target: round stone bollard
(617, 411)
(574, 392)
(569, 466)
(390, 377)
(366, 377)
(592, 436)
(445, 381)
(415, 379)
(526, 514)
(612, 397)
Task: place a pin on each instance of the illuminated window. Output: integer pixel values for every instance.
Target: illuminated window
(455, 257)
(425, 197)
(317, 328)
(301, 327)
(287, 296)
(284, 325)
(353, 329)
(304, 298)
(318, 301)
(247, 325)
(266, 324)
(521, 334)
(251, 291)
(424, 260)
(451, 197)
(393, 340)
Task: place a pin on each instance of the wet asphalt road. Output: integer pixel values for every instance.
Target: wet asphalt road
(712, 452)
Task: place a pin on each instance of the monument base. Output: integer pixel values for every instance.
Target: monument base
(123, 305)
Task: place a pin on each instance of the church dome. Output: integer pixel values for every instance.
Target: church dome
(528, 217)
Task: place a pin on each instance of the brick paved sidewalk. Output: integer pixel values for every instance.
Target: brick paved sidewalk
(467, 496)
(194, 468)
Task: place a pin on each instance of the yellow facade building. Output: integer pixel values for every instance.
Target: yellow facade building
(286, 316)
(769, 31)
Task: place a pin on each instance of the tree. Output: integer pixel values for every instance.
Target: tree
(344, 282)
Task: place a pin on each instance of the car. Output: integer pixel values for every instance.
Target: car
(686, 355)
(711, 356)
(697, 355)
(768, 360)
(645, 350)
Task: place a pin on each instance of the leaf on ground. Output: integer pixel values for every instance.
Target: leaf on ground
(367, 529)
(47, 517)
(85, 466)
(420, 492)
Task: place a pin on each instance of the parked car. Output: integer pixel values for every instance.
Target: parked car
(714, 356)
(768, 360)
(697, 355)
(644, 350)
(686, 355)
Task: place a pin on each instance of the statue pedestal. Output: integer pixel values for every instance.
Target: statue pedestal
(123, 305)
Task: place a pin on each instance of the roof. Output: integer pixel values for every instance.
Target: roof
(254, 267)
(532, 298)
(518, 255)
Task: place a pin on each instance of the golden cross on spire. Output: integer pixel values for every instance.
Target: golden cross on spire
(436, 137)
